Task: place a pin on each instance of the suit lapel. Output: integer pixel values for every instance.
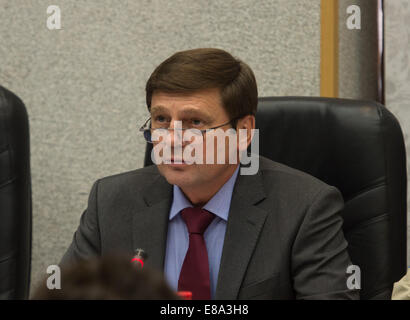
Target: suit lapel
(150, 223)
(245, 222)
(244, 225)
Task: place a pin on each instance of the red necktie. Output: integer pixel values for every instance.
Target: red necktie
(194, 274)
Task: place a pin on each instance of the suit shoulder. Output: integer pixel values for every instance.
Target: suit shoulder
(290, 179)
(141, 175)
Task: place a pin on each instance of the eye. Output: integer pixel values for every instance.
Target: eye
(196, 122)
(159, 118)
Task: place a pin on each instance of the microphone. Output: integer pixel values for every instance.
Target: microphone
(139, 257)
(138, 260)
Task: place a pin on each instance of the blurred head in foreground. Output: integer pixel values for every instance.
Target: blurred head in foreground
(107, 278)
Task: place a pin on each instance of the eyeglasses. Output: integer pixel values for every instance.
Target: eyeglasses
(147, 130)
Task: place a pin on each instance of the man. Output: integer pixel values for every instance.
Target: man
(213, 231)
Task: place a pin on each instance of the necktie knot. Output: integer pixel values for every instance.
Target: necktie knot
(197, 219)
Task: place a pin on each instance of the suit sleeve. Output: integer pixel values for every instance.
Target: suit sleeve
(86, 240)
(319, 254)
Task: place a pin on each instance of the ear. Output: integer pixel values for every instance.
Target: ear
(246, 123)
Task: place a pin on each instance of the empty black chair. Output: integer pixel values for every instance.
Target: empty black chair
(15, 198)
(358, 147)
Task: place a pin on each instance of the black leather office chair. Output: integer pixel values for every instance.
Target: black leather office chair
(358, 147)
(15, 198)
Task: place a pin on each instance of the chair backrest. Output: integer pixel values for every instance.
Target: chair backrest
(15, 198)
(358, 147)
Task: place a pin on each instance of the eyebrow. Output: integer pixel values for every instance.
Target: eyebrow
(196, 113)
(158, 108)
(186, 112)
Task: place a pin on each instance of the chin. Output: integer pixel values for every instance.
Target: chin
(178, 176)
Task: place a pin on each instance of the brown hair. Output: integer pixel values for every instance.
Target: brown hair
(207, 68)
(109, 277)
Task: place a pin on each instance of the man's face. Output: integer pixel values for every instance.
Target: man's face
(200, 110)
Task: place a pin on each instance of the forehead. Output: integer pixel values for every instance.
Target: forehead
(205, 101)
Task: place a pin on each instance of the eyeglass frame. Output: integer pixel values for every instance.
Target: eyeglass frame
(141, 129)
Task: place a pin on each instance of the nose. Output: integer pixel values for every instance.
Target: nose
(175, 136)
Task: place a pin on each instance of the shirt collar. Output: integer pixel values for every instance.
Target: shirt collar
(219, 204)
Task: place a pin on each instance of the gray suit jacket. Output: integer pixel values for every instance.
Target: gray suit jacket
(283, 240)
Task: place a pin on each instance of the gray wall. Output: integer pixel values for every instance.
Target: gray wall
(397, 42)
(84, 84)
(358, 52)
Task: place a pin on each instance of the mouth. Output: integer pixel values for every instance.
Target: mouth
(175, 162)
